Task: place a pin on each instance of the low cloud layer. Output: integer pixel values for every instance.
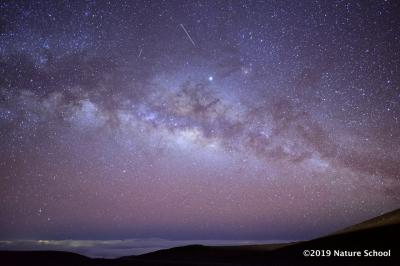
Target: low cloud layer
(117, 248)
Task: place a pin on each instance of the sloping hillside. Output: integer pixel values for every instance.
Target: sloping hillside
(380, 234)
(390, 218)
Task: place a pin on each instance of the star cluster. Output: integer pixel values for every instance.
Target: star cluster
(197, 119)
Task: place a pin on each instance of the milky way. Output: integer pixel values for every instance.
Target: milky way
(197, 119)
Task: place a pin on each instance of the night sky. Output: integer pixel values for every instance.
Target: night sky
(187, 120)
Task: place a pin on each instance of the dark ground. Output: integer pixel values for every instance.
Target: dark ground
(381, 233)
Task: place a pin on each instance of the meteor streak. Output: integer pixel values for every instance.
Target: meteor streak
(187, 34)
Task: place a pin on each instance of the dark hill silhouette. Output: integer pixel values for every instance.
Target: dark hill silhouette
(390, 218)
(380, 234)
(41, 258)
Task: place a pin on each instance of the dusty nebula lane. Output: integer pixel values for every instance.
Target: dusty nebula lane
(202, 120)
